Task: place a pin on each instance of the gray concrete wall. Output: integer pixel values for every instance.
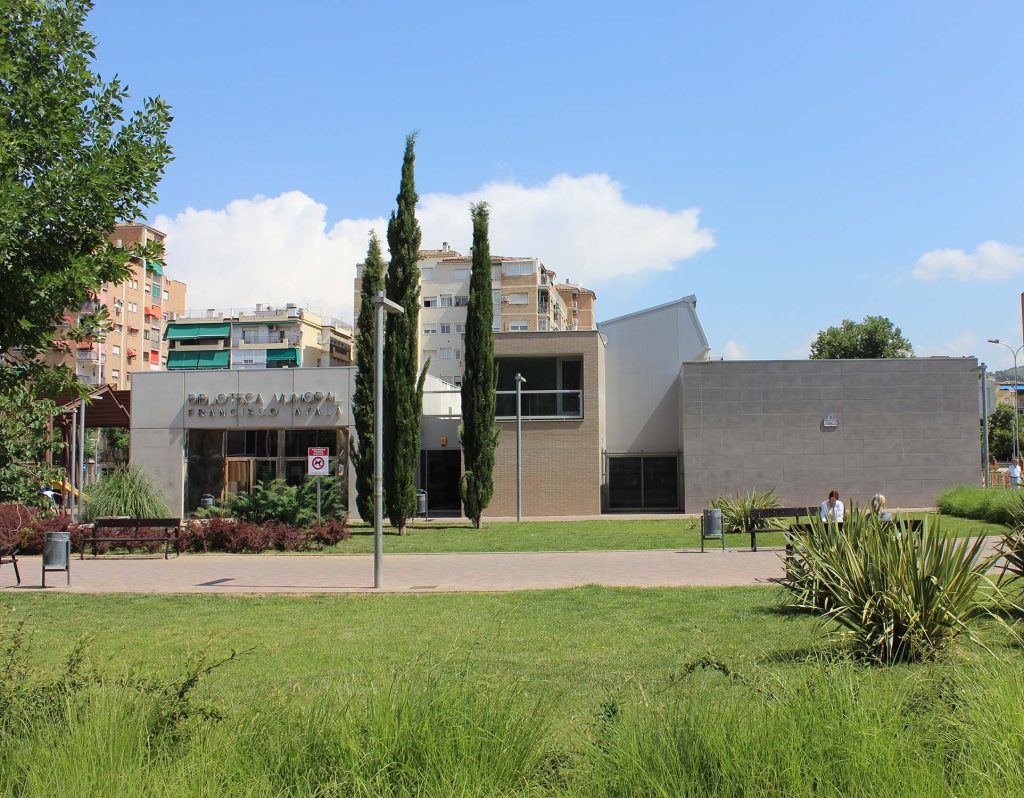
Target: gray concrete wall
(642, 357)
(906, 428)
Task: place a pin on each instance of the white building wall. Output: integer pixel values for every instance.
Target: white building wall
(643, 354)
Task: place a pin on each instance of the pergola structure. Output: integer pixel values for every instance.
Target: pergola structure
(103, 407)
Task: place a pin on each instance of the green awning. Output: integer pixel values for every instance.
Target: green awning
(156, 267)
(283, 356)
(214, 359)
(182, 360)
(182, 332)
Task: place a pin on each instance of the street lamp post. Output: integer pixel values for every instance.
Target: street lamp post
(381, 304)
(1016, 387)
(520, 381)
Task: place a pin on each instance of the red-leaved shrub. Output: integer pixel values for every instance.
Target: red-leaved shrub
(237, 536)
(24, 527)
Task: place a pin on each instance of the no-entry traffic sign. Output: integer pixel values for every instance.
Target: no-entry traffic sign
(317, 461)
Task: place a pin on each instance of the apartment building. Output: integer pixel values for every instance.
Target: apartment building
(264, 337)
(139, 309)
(527, 298)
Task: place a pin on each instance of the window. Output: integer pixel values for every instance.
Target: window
(426, 274)
(133, 308)
(115, 374)
(118, 328)
(461, 301)
(149, 288)
(430, 329)
(446, 353)
(519, 326)
(542, 324)
(458, 354)
(555, 386)
(496, 324)
(519, 299)
(457, 380)
(145, 335)
(430, 301)
(517, 269)
(446, 301)
(115, 349)
(496, 274)
(462, 274)
(460, 328)
(446, 329)
(167, 295)
(133, 283)
(496, 297)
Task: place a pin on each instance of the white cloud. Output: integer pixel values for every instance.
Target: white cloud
(735, 351)
(281, 249)
(991, 260)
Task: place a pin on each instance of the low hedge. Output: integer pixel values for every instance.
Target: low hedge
(995, 505)
(24, 527)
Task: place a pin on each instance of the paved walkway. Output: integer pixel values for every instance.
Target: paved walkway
(403, 573)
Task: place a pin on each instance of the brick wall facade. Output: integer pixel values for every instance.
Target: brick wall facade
(561, 459)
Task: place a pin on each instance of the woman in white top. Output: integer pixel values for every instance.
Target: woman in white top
(832, 509)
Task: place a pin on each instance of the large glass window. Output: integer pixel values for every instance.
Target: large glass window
(643, 482)
(553, 388)
(251, 443)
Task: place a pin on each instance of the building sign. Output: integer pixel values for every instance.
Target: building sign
(317, 458)
(830, 422)
(241, 405)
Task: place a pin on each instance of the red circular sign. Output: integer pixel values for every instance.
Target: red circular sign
(318, 463)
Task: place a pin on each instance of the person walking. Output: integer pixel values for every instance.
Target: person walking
(1014, 473)
(832, 510)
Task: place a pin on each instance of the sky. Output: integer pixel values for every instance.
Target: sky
(793, 164)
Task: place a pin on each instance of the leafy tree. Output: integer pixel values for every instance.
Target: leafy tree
(71, 165)
(24, 443)
(403, 389)
(479, 433)
(1000, 433)
(362, 398)
(875, 337)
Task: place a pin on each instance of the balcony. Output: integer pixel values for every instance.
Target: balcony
(262, 339)
(88, 379)
(566, 404)
(89, 306)
(87, 356)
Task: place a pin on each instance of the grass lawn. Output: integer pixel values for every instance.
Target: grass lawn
(604, 534)
(582, 692)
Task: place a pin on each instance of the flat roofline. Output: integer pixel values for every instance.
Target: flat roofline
(140, 224)
(841, 360)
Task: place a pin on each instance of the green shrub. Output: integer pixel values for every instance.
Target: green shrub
(1011, 546)
(276, 500)
(126, 492)
(899, 596)
(994, 505)
(737, 511)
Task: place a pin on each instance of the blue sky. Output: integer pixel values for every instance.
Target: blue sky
(793, 164)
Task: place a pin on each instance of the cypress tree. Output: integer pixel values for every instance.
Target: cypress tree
(479, 432)
(362, 398)
(403, 390)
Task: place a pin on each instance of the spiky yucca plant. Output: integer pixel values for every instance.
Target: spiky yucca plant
(737, 510)
(1011, 547)
(898, 596)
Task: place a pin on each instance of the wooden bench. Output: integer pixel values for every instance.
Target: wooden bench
(9, 553)
(757, 517)
(132, 531)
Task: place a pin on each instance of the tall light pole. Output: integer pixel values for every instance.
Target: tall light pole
(380, 304)
(1016, 388)
(520, 381)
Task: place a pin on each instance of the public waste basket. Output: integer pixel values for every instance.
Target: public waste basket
(56, 554)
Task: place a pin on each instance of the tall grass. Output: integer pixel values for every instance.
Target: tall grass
(995, 505)
(125, 492)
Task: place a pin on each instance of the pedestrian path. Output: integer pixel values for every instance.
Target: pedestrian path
(403, 573)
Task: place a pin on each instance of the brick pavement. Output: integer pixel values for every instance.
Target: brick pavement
(497, 571)
(403, 573)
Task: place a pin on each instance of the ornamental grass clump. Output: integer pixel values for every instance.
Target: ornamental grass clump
(898, 596)
(738, 510)
(125, 493)
(1011, 546)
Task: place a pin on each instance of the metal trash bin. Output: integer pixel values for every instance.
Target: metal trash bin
(57, 554)
(206, 501)
(711, 527)
(421, 503)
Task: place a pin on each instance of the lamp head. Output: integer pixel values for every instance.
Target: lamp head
(994, 341)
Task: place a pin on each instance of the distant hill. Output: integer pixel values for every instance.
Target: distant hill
(1006, 375)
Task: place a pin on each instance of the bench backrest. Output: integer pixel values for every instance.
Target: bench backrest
(136, 523)
(782, 512)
